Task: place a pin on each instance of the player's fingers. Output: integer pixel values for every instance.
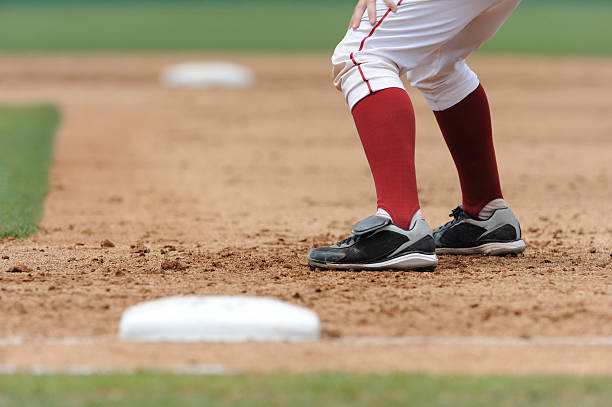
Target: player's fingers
(357, 14)
(391, 4)
(372, 11)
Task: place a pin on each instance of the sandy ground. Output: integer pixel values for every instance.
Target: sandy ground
(224, 192)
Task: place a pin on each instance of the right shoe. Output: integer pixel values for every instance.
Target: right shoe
(378, 244)
(498, 235)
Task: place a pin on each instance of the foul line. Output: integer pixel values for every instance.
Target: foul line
(476, 340)
(364, 340)
(205, 370)
(62, 340)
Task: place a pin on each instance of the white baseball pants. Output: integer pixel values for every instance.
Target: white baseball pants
(428, 40)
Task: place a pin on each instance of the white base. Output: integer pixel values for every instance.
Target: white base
(207, 75)
(218, 319)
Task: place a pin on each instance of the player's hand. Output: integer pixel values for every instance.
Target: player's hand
(360, 8)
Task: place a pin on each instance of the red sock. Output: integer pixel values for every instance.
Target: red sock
(467, 130)
(385, 122)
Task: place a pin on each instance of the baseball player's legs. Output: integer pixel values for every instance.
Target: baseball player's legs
(390, 153)
(466, 128)
(367, 65)
(466, 125)
(483, 224)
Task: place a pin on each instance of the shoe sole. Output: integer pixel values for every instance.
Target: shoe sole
(412, 261)
(488, 249)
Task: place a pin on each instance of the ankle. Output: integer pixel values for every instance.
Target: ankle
(404, 223)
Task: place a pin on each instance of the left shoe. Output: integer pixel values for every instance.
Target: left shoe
(378, 244)
(498, 235)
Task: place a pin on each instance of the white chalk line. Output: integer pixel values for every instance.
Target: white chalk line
(603, 341)
(483, 341)
(84, 370)
(215, 369)
(61, 340)
(208, 370)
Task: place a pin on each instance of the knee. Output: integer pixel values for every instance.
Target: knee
(445, 87)
(359, 74)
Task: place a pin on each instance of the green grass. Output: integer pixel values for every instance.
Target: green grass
(319, 390)
(245, 26)
(26, 140)
(271, 25)
(560, 28)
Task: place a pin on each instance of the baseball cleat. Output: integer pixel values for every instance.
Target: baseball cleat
(498, 235)
(378, 244)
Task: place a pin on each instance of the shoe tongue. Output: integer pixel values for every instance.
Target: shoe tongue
(370, 224)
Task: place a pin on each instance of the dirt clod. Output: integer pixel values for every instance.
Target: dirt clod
(175, 265)
(20, 268)
(107, 244)
(140, 249)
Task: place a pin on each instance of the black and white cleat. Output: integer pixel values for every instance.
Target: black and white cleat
(378, 244)
(498, 235)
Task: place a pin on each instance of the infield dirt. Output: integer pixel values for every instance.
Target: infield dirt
(157, 192)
